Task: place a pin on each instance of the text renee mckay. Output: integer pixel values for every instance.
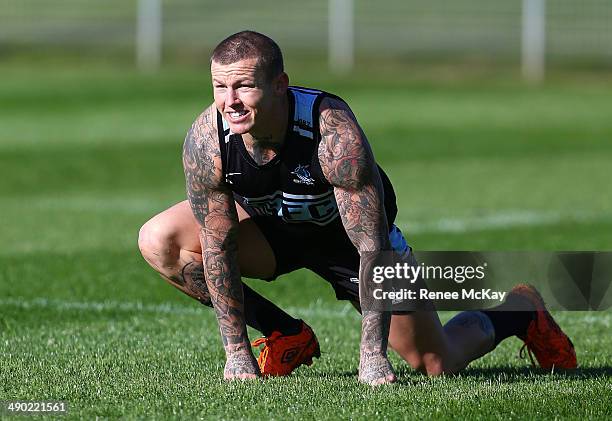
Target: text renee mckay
(482, 294)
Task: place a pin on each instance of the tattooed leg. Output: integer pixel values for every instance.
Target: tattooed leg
(471, 335)
(185, 271)
(169, 244)
(179, 267)
(191, 281)
(469, 320)
(421, 340)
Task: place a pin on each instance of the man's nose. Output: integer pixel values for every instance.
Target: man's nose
(230, 97)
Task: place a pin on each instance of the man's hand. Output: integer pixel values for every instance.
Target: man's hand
(348, 164)
(213, 206)
(374, 366)
(241, 365)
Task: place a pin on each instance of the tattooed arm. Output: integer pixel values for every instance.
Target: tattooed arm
(213, 206)
(348, 164)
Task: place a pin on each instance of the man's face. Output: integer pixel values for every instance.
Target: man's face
(242, 94)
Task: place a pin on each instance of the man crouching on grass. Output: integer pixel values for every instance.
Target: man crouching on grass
(281, 178)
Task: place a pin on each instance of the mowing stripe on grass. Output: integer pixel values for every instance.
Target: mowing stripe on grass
(102, 204)
(136, 306)
(500, 220)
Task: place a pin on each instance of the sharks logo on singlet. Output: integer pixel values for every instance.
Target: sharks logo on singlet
(320, 209)
(303, 175)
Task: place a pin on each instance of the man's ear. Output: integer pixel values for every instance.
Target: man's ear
(280, 84)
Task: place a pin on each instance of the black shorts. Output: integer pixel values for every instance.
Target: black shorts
(325, 250)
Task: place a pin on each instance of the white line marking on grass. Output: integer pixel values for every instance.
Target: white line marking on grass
(315, 310)
(499, 220)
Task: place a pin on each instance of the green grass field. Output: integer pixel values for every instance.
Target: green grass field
(88, 154)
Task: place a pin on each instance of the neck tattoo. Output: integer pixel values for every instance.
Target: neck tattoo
(263, 150)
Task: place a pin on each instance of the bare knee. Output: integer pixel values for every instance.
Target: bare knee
(158, 246)
(433, 364)
(429, 363)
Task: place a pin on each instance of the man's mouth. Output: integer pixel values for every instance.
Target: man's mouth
(237, 116)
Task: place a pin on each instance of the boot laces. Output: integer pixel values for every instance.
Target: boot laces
(522, 354)
(267, 343)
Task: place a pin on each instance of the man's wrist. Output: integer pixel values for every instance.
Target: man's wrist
(238, 348)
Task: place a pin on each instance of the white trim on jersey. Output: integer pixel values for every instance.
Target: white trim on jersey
(280, 193)
(302, 116)
(308, 196)
(226, 127)
(319, 209)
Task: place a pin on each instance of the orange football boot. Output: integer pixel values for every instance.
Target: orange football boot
(282, 354)
(551, 347)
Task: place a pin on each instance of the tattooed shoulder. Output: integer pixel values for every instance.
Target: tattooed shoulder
(201, 155)
(202, 162)
(344, 153)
